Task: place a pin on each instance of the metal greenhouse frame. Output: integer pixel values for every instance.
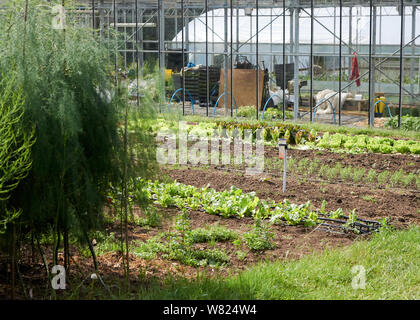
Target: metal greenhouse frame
(147, 32)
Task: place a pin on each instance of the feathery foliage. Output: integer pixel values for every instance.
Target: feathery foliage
(67, 80)
(15, 147)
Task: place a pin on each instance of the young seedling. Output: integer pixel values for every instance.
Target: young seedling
(369, 198)
(371, 176)
(358, 174)
(383, 177)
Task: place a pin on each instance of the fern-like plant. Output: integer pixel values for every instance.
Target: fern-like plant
(15, 147)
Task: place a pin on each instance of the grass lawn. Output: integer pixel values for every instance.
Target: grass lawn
(391, 260)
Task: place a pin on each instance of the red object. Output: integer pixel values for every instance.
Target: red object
(355, 69)
(281, 154)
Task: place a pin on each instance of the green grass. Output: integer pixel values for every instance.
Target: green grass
(391, 260)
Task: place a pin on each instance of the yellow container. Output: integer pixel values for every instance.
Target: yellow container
(168, 74)
(380, 106)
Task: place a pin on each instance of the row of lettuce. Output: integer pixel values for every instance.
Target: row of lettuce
(363, 143)
(236, 203)
(295, 135)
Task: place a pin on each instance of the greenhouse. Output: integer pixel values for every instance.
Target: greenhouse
(209, 150)
(320, 38)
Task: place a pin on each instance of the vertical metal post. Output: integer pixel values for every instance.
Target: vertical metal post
(402, 11)
(370, 63)
(284, 59)
(373, 68)
(296, 60)
(334, 42)
(311, 63)
(137, 56)
(237, 30)
(187, 34)
(212, 36)
(162, 49)
(161, 35)
(339, 62)
(116, 44)
(257, 57)
(93, 14)
(183, 57)
(159, 26)
(413, 52)
(350, 40)
(231, 58)
(125, 35)
(195, 38)
(225, 55)
(271, 40)
(207, 58)
(141, 37)
(380, 43)
(101, 18)
(291, 35)
(176, 25)
(250, 34)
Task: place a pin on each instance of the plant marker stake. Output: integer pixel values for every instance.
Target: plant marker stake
(283, 155)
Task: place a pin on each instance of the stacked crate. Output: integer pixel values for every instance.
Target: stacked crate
(192, 84)
(214, 77)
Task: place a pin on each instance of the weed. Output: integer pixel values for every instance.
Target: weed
(104, 243)
(152, 218)
(241, 255)
(149, 249)
(213, 233)
(260, 237)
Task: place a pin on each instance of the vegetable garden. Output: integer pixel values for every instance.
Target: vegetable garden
(81, 187)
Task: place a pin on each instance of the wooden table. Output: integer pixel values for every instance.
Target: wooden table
(358, 103)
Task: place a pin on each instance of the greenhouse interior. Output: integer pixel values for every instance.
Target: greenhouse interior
(342, 58)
